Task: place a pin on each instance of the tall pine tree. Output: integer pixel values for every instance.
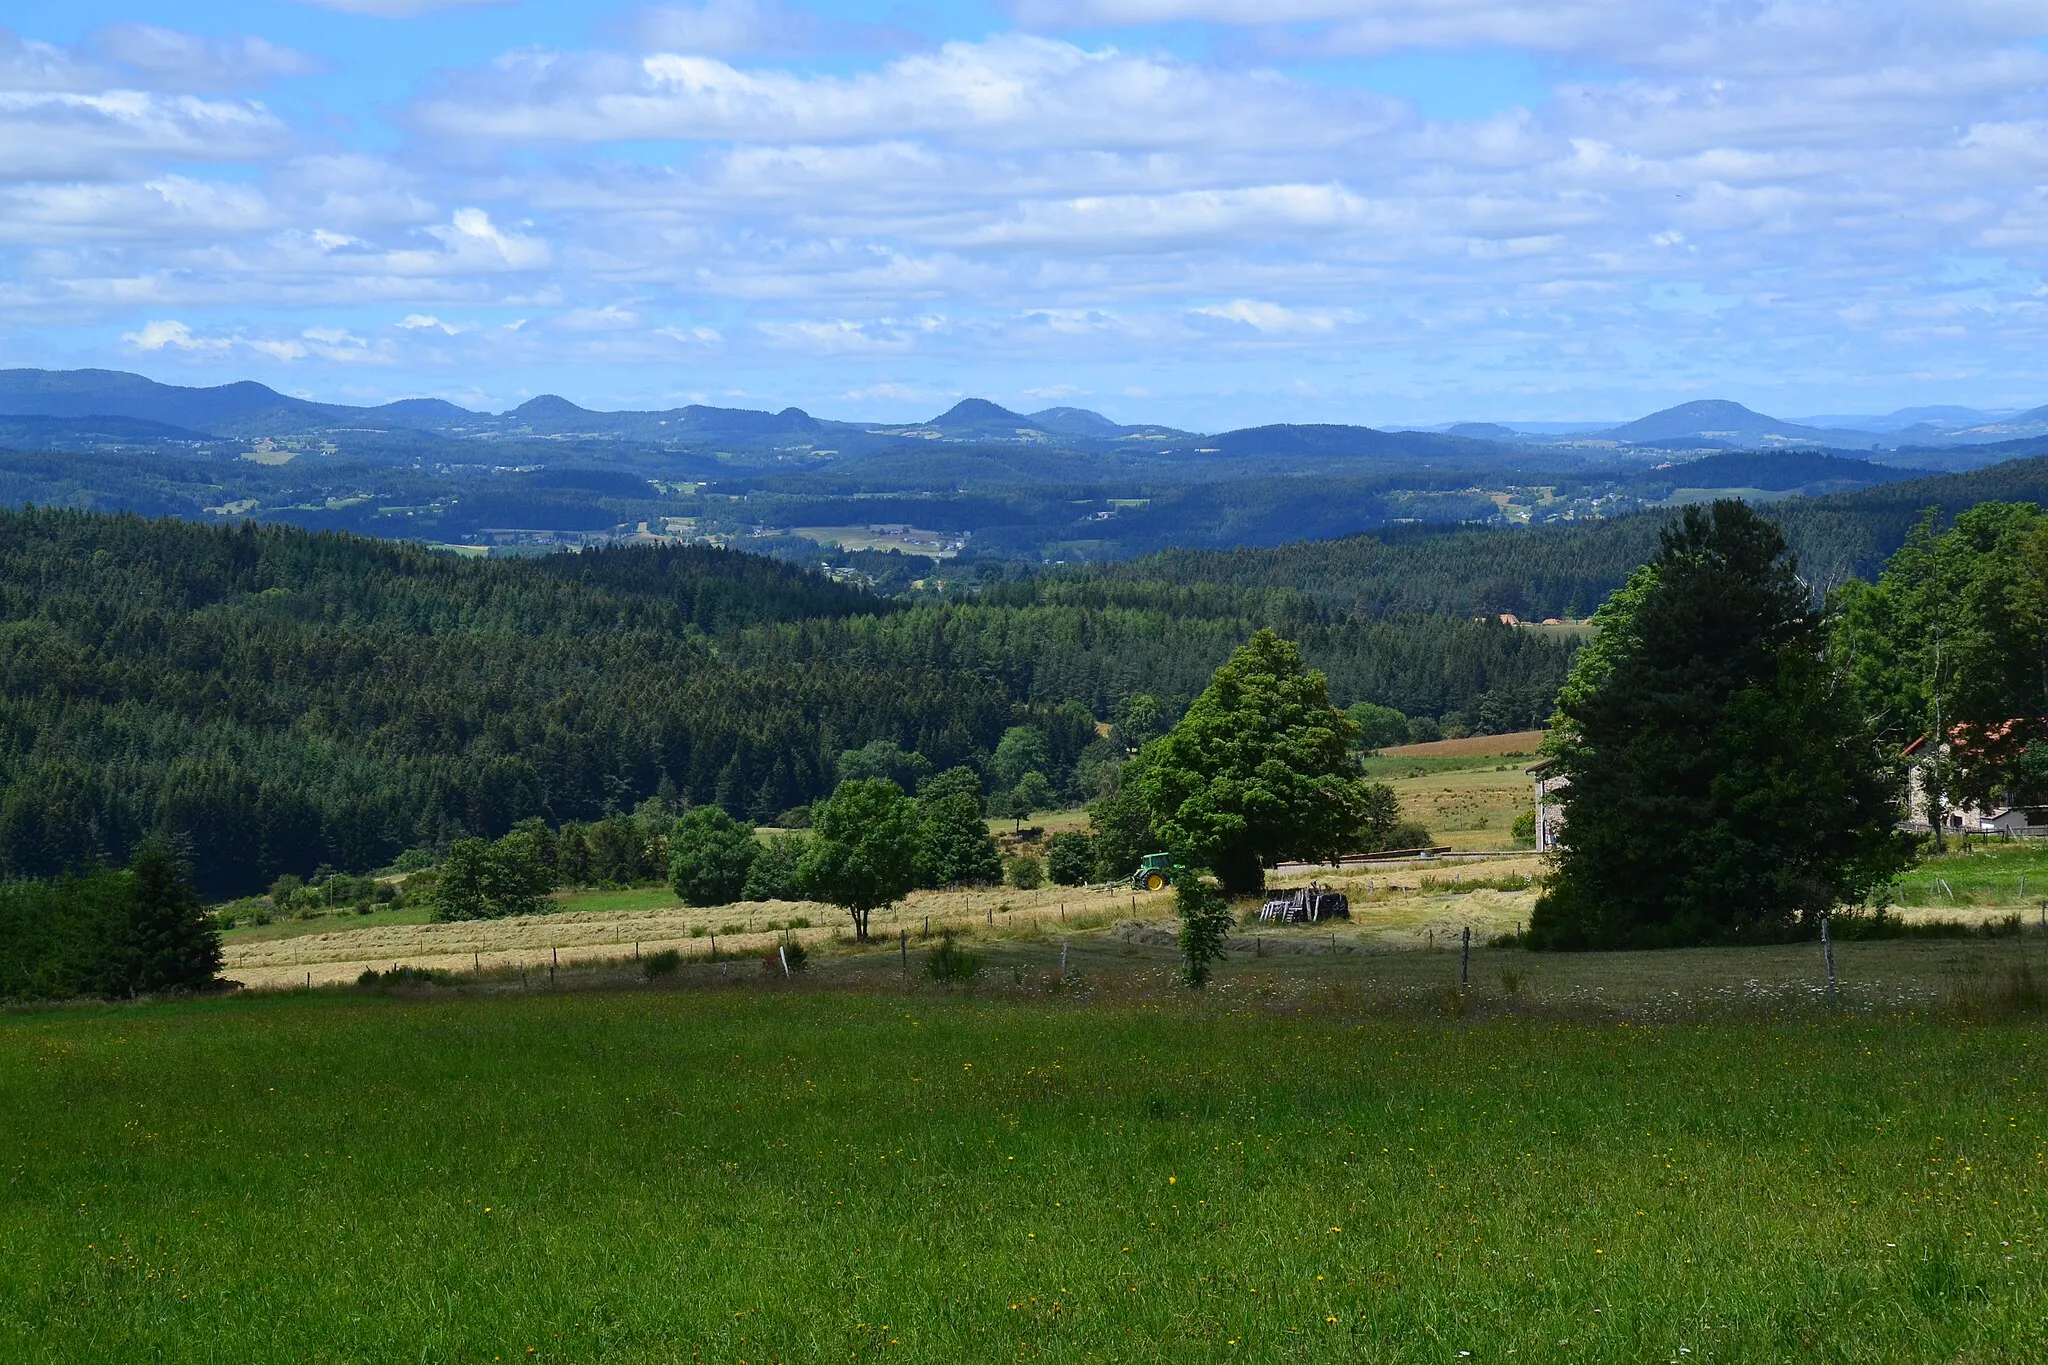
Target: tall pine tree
(1724, 783)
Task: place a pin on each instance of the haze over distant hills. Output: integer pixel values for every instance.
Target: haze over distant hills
(249, 410)
(978, 481)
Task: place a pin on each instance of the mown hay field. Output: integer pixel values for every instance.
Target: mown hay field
(1395, 906)
(1110, 1170)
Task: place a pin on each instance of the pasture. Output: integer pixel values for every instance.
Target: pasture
(1330, 1158)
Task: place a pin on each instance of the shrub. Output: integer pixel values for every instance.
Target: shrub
(414, 860)
(1204, 923)
(662, 963)
(1026, 873)
(1409, 834)
(696, 931)
(949, 964)
(791, 952)
(1524, 828)
(405, 976)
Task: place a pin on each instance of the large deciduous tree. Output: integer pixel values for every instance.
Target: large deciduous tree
(482, 879)
(1725, 784)
(953, 842)
(1952, 642)
(710, 855)
(1259, 769)
(863, 850)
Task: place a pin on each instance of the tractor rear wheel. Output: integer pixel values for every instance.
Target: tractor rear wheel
(1155, 881)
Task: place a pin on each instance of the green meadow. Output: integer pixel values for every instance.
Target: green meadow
(731, 1169)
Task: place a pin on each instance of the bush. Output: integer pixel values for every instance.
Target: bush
(948, 964)
(1068, 857)
(405, 976)
(1524, 828)
(414, 860)
(1026, 872)
(791, 952)
(1409, 834)
(662, 963)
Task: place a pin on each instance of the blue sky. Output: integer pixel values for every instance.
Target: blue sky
(1205, 212)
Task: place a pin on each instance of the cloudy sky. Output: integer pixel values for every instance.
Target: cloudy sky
(1206, 212)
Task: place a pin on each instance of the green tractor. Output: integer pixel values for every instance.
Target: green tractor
(1155, 872)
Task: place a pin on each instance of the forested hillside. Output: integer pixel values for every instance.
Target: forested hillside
(273, 699)
(1544, 571)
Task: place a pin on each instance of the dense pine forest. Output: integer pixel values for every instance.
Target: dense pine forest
(1545, 571)
(272, 700)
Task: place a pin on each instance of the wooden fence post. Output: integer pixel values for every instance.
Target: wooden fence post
(1063, 959)
(1827, 951)
(903, 946)
(1465, 958)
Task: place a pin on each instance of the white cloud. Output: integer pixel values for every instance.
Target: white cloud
(1270, 318)
(473, 240)
(1015, 90)
(185, 61)
(63, 135)
(609, 318)
(155, 336)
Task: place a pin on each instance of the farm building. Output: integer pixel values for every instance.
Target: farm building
(2018, 821)
(1549, 805)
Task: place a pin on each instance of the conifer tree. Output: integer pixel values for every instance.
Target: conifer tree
(1724, 783)
(170, 944)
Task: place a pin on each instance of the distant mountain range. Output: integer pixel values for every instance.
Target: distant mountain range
(67, 408)
(1717, 424)
(249, 409)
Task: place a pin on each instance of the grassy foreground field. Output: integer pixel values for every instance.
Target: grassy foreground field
(754, 1173)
